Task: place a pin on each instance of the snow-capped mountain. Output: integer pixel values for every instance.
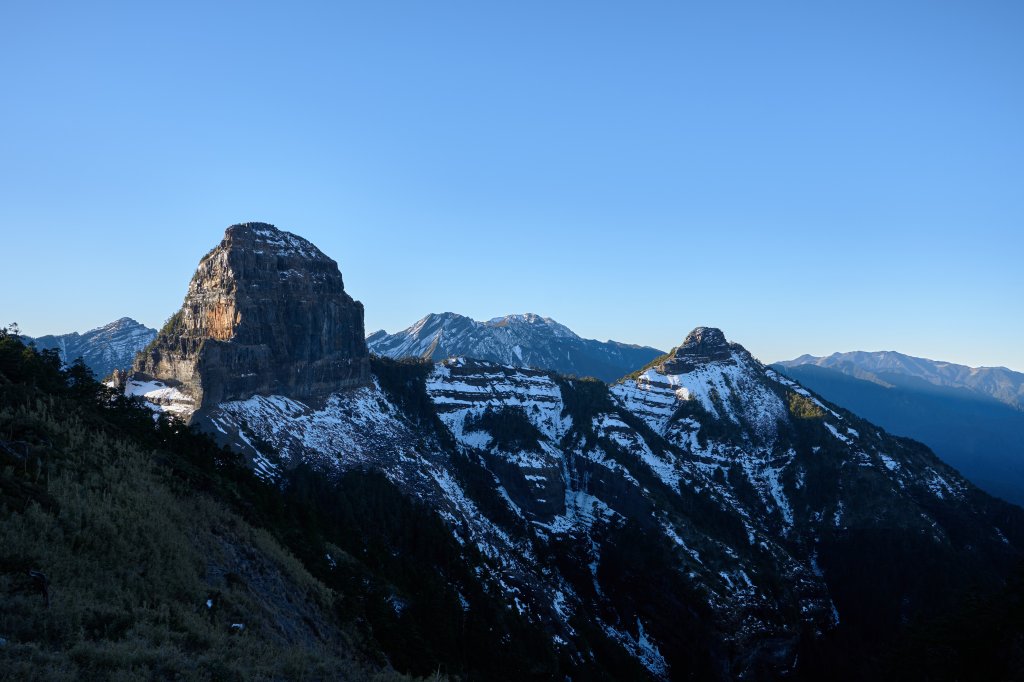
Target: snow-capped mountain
(705, 518)
(518, 340)
(889, 367)
(756, 497)
(104, 349)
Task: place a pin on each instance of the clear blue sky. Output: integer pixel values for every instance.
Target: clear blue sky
(808, 176)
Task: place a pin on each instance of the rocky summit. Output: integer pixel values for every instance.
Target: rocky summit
(700, 345)
(266, 313)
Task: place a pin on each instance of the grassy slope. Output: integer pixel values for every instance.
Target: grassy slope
(133, 549)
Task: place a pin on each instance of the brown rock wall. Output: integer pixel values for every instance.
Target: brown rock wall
(266, 312)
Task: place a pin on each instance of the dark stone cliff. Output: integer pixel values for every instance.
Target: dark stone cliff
(266, 313)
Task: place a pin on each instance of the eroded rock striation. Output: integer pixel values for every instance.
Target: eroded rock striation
(266, 313)
(707, 516)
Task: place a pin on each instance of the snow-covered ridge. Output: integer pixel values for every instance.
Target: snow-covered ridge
(526, 340)
(268, 238)
(104, 349)
(582, 488)
(532, 319)
(287, 244)
(733, 388)
(462, 389)
(727, 481)
(729, 390)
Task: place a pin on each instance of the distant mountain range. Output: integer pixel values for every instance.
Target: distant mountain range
(517, 340)
(971, 417)
(104, 349)
(889, 368)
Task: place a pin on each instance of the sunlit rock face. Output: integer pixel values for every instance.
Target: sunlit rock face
(266, 313)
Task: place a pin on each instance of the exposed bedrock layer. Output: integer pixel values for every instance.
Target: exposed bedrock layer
(266, 313)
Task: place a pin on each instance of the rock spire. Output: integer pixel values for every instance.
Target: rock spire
(266, 313)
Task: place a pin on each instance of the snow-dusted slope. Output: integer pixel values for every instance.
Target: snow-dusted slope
(104, 349)
(519, 340)
(159, 396)
(750, 489)
(366, 428)
(737, 418)
(706, 518)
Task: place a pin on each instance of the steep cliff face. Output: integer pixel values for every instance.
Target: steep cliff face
(266, 313)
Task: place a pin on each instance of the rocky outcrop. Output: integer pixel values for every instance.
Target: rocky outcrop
(702, 345)
(266, 313)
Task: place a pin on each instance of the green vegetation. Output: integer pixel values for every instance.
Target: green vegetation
(803, 407)
(170, 327)
(656, 362)
(638, 574)
(108, 506)
(171, 324)
(510, 429)
(979, 640)
(404, 382)
(584, 399)
(397, 568)
(136, 523)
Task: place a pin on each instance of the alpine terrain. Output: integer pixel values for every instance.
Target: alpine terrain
(706, 517)
(518, 340)
(882, 367)
(104, 349)
(971, 417)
